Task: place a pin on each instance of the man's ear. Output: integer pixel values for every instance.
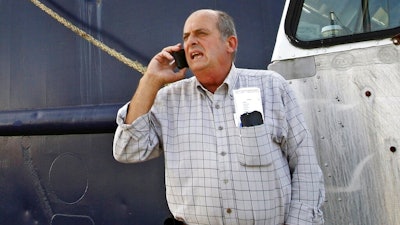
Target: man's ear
(232, 43)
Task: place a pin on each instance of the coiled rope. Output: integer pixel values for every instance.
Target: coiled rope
(131, 63)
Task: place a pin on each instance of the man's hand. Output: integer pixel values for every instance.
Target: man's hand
(160, 71)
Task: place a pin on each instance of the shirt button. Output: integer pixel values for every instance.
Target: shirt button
(217, 106)
(226, 181)
(229, 210)
(220, 128)
(223, 153)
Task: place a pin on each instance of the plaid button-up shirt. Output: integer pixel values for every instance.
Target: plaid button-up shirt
(218, 173)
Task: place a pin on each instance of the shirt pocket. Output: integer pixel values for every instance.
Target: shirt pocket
(255, 146)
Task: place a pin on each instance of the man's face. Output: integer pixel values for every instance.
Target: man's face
(204, 47)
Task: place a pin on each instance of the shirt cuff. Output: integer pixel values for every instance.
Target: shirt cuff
(121, 115)
(303, 214)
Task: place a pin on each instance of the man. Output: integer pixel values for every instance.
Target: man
(219, 170)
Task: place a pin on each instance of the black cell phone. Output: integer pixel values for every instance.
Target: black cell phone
(180, 59)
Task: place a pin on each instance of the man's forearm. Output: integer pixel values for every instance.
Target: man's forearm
(143, 99)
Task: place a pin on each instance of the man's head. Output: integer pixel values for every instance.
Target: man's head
(210, 43)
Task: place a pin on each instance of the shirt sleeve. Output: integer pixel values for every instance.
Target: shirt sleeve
(308, 191)
(135, 142)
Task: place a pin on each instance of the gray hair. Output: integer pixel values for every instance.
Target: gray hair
(226, 27)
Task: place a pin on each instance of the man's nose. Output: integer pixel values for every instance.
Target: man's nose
(191, 40)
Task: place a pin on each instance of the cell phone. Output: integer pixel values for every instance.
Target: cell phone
(180, 59)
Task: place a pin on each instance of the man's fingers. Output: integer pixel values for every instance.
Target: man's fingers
(181, 73)
(172, 48)
(166, 54)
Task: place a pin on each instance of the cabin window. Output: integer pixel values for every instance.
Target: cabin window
(316, 23)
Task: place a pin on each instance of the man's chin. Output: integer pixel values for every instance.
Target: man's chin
(197, 67)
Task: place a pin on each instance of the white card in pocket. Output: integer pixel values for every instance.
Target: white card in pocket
(247, 100)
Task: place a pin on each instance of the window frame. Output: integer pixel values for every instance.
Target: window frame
(292, 21)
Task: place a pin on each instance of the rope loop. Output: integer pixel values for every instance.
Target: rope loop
(131, 63)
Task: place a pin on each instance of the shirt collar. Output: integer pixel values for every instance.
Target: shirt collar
(231, 79)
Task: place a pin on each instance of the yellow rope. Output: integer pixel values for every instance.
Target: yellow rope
(133, 64)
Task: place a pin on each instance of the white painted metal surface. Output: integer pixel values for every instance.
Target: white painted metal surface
(352, 107)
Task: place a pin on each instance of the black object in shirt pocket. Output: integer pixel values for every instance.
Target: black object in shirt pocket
(251, 119)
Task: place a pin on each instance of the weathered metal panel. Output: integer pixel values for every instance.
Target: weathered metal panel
(73, 179)
(352, 106)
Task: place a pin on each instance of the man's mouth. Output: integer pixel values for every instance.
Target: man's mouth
(195, 55)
